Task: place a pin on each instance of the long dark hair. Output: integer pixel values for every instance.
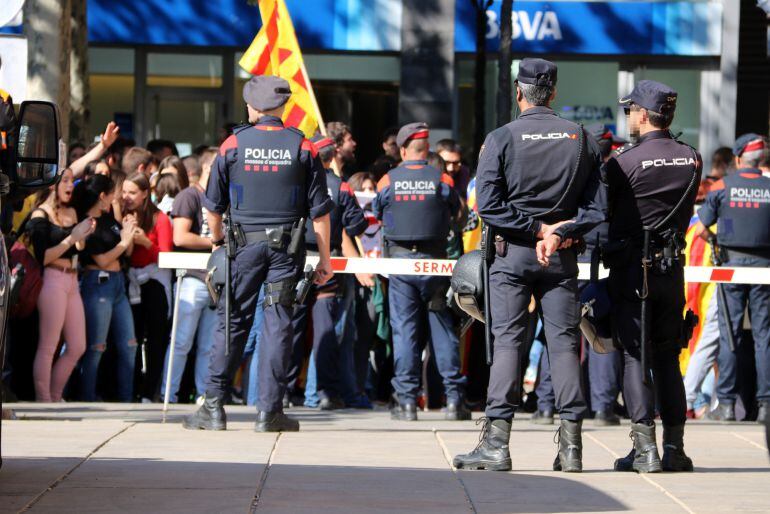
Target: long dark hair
(145, 214)
(87, 192)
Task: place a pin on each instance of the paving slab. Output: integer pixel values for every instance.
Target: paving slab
(37, 453)
(114, 457)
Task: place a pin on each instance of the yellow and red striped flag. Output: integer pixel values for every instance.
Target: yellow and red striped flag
(275, 51)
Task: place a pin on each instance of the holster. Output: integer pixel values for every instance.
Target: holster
(281, 293)
(278, 238)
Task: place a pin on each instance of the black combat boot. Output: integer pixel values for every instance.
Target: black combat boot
(542, 417)
(210, 416)
(723, 412)
(606, 418)
(457, 411)
(492, 451)
(275, 422)
(570, 456)
(674, 458)
(404, 412)
(644, 457)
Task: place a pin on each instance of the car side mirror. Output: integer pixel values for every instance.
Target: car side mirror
(40, 153)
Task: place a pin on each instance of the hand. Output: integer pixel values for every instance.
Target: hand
(566, 243)
(83, 229)
(365, 279)
(129, 226)
(323, 272)
(547, 230)
(110, 134)
(546, 248)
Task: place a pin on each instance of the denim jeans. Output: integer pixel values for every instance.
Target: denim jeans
(194, 315)
(107, 312)
(252, 346)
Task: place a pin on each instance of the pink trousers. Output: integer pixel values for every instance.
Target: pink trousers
(61, 313)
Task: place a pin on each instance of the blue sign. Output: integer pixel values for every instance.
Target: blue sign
(637, 28)
(373, 25)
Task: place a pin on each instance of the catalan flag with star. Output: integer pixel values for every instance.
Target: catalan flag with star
(275, 51)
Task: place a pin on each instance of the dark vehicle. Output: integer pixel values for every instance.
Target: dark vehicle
(31, 158)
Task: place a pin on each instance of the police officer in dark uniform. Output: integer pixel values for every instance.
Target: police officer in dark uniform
(538, 187)
(652, 189)
(603, 368)
(326, 302)
(268, 178)
(416, 203)
(740, 206)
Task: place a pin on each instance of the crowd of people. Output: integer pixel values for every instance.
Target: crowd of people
(101, 323)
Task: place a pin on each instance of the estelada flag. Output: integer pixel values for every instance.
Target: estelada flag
(698, 295)
(275, 51)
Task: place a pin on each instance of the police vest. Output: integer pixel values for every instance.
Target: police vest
(744, 214)
(268, 181)
(416, 210)
(335, 186)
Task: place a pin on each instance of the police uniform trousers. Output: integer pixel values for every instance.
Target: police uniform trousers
(325, 312)
(665, 307)
(738, 297)
(514, 277)
(253, 265)
(408, 301)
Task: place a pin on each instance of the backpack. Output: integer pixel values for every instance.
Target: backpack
(26, 276)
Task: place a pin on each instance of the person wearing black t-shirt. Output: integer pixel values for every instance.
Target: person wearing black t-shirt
(103, 287)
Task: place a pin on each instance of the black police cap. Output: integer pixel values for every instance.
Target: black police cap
(537, 72)
(266, 92)
(417, 130)
(750, 142)
(653, 96)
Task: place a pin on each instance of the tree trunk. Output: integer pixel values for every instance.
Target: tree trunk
(47, 28)
(80, 91)
(504, 64)
(480, 72)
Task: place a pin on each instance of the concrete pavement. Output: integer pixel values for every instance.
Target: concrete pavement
(113, 457)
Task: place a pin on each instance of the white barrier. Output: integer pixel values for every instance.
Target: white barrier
(444, 267)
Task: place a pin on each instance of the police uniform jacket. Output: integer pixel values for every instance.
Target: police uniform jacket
(740, 205)
(528, 167)
(646, 181)
(269, 175)
(415, 203)
(347, 214)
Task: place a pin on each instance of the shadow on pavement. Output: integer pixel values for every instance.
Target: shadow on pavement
(148, 485)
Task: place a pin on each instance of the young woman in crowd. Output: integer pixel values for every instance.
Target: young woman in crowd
(103, 286)
(175, 165)
(56, 237)
(165, 191)
(99, 167)
(149, 286)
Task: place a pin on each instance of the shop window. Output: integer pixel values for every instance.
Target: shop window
(184, 70)
(111, 79)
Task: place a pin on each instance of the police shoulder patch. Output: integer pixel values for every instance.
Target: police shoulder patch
(626, 147)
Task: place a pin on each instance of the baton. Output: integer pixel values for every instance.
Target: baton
(646, 262)
(486, 239)
(717, 260)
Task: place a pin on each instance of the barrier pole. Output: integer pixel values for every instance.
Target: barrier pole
(171, 345)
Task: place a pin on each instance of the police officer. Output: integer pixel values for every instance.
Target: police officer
(740, 206)
(327, 307)
(603, 368)
(652, 189)
(416, 203)
(268, 178)
(538, 187)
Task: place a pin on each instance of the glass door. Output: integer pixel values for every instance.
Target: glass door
(187, 116)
